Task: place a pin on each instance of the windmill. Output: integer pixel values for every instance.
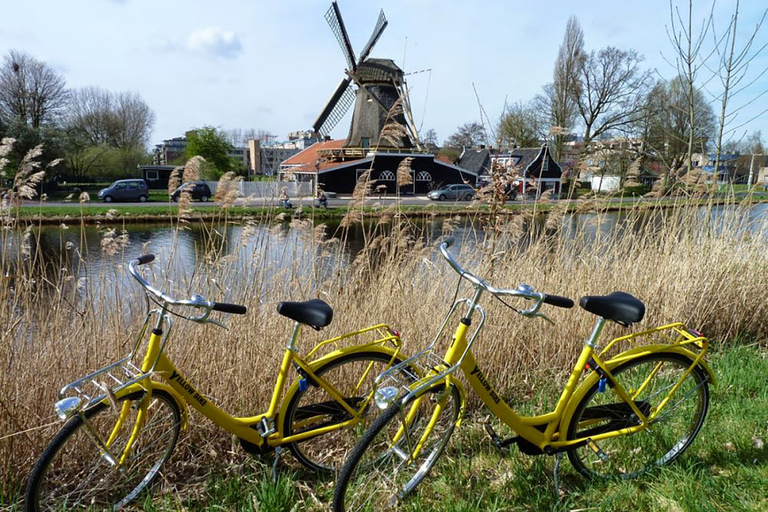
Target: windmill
(379, 84)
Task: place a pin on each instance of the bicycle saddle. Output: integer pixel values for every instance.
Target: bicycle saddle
(618, 306)
(315, 312)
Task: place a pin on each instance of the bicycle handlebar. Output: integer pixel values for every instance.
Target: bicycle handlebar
(524, 291)
(196, 301)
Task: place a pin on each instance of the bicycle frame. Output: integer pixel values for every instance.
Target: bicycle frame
(544, 431)
(262, 430)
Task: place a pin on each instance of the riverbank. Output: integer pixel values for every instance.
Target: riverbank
(90, 213)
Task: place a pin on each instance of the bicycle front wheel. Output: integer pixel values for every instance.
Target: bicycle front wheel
(397, 451)
(675, 424)
(74, 473)
(313, 409)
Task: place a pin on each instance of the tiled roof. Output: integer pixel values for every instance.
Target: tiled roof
(309, 158)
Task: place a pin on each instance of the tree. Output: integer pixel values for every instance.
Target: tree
(213, 145)
(667, 128)
(520, 125)
(557, 100)
(120, 120)
(734, 74)
(687, 44)
(467, 135)
(30, 91)
(610, 91)
(430, 138)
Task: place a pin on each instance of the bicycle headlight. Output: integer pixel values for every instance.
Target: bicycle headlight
(67, 407)
(385, 397)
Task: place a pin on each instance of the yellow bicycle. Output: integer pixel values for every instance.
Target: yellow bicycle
(617, 415)
(122, 425)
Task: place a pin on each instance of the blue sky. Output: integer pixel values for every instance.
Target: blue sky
(272, 65)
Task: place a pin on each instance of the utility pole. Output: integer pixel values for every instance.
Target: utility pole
(752, 168)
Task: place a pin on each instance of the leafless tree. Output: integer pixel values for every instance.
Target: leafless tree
(735, 76)
(557, 99)
(690, 56)
(121, 120)
(520, 125)
(30, 90)
(467, 136)
(609, 91)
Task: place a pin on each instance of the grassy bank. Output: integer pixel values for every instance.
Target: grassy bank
(165, 212)
(59, 320)
(726, 469)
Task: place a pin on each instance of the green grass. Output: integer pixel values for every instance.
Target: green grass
(726, 469)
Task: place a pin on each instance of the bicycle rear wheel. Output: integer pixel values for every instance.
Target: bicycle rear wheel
(381, 469)
(74, 474)
(353, 375)
(648, 379)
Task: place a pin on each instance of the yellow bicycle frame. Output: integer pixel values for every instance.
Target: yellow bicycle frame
(245, 427)
(550, 437)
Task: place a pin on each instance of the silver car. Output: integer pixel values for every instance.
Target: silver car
(452, 192)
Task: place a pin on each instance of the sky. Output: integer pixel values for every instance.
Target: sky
(272, 65)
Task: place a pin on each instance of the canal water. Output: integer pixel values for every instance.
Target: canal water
(98, 250)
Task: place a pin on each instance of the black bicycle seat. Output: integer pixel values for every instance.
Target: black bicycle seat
(314, 313)
(618, 306)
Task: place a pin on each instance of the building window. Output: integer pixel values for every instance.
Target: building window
(152, 175)
(423, 176)
(365, 142)
(387, 176)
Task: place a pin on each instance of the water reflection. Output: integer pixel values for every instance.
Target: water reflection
(302, 246)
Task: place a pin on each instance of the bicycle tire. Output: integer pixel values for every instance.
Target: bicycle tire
(327, 452)
(669, 435)
(360, 487)
(60, 480)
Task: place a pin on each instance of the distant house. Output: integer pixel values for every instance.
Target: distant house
(334, 167)
(476, 161)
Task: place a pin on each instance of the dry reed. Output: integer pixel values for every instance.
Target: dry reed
(58, 320)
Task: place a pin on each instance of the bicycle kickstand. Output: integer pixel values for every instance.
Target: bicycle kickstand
(278, 451)
(555, 471)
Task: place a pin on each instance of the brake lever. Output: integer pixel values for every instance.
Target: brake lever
(216, 323)
(545, 317)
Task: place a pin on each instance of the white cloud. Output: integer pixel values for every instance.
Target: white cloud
(215, 42)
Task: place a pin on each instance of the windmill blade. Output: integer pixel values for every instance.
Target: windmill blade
(338, 104)
(333, 17)
(381, 24)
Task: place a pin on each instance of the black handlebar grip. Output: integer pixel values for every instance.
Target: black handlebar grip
(229, 308)
(449, 241)
(556, 300)
(146, 258)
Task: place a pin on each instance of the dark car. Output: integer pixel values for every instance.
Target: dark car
(125, 190)
(453, 192)
(198, 190)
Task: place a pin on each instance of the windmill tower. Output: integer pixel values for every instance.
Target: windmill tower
(379, 84)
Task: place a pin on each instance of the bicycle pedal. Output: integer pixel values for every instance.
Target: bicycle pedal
(500, 444)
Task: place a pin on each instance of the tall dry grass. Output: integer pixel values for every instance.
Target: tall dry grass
(59, 321)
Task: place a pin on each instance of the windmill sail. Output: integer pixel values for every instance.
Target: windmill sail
(381, 24)
(335, 21)
(338, 104)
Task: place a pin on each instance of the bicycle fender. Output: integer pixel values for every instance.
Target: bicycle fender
(615, 361)
(168, 389)
(318, 363)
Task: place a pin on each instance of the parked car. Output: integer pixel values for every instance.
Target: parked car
(125, 190)
(453, 192)
(199, 190)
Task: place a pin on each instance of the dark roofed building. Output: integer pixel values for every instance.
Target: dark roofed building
(476, 161)
(336, 168)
